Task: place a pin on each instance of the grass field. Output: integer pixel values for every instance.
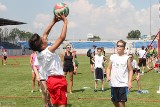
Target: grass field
(15, 87)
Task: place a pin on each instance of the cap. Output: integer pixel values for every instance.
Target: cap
(94, 46)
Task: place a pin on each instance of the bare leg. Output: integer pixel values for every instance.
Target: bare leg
(102, 85)
(96, 84)
(121, 104)
(44, 92)
(139, 84)
(116, 104)
(71, 81)
(2, 60)
(65, 74)
(92, 68)
(33, 80)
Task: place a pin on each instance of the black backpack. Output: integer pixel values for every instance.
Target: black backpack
(89, 53)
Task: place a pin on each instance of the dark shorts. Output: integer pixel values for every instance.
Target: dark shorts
(142, 61)
(5, 57)
(91, 62)
(119, 94)
(136, 71)
(105, 75)
(68, 68)
(99, 75)
(148, 55)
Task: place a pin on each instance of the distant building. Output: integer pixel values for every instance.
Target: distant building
(91, 37)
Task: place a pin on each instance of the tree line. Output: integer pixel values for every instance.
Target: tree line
(14, 35)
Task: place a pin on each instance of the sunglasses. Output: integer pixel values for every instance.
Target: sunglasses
(69, 47)
(120, 46)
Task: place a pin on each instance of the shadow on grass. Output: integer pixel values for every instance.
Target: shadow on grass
(133, 91)
(106, 89)
(69, 105)
(80, 90)
(79, 73)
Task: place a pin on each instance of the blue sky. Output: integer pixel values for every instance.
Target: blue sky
(110, 19)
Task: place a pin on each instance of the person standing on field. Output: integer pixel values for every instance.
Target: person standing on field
(119, 74)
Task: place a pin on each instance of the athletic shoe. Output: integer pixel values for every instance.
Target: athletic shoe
(142, 73)
(40, 90)
(32, 91)
(95, 90)
(50, 105)
(139, 91)
(102, 91)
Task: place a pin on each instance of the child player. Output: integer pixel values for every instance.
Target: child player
(50, 62)
(136, 70)
(98, 66)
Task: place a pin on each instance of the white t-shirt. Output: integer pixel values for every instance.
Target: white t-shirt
(98, 61)
(134, 64)
(119, 71)
(50, 63)
(142, 54)
(4, 53)
(42, 73)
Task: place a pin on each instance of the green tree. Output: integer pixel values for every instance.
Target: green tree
(1, 34)
(24, 36)
(134, 34)
(12, 35)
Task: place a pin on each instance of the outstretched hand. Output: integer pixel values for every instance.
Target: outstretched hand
(59, 17)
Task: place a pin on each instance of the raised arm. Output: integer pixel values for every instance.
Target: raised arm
(48, 29)
(62, 36)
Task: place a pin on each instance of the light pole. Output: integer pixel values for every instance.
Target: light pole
(150, 20)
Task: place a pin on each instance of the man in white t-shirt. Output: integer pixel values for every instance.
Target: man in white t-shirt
(142, 59)
(136, 70)
(50, 63)
(119, 73)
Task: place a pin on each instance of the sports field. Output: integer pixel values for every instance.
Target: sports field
(15, 87)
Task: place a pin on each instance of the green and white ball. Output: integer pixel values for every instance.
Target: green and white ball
(61, 8)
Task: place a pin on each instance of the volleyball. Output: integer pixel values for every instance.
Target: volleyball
(61, 8)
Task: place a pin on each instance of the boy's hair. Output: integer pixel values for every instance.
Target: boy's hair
(122, 41)
(142, 47)
(99, 49)
(35, 42)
